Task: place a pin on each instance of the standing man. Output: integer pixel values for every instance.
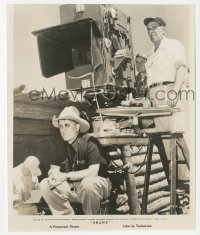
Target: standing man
(166, 69)
(83, 178)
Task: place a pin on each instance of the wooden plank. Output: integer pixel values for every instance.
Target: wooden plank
(153, 178)
(155, 187)
(20, 97)
(157, 195)
(23, 110)
(138, 160)
(23, 126)
(155, 168)
(119, 140)
(135, 111)
(158, 205)
(155, 114)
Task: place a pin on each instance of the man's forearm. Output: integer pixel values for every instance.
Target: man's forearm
(56, 176)
(79, 175)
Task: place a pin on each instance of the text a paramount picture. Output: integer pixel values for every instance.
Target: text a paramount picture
(103, 117)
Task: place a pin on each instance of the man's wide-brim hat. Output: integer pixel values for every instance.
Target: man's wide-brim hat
(159, 20)
(71, 113)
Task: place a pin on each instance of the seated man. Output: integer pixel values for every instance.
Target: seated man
(24, 181)
(84, 177)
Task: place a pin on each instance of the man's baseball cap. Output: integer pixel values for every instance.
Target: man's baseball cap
(156, 19)
(142, 55)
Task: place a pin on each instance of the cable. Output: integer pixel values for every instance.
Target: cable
(138, 150)
(92, 75)
(139, 166)
(142, 164)
(114, 95)
(119, 167)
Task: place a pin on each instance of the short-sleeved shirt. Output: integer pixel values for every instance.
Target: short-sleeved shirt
(160, 65)
(82, 153)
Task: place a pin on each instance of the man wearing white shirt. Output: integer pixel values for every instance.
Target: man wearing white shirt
(166, 71)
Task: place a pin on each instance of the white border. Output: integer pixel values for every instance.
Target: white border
(3, 105)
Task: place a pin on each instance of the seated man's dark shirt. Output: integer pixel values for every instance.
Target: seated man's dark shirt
(82, 153)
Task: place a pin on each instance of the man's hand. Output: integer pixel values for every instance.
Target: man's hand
(172, 98)
(172, 103)
(59, 176)
(56, 177)
(51, 172)
(173, 94)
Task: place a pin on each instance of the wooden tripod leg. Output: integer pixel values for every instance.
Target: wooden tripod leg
(173, 195)
(164, 160)
(180, 140)
(147, 176)
(130, 184)
(163, 157)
